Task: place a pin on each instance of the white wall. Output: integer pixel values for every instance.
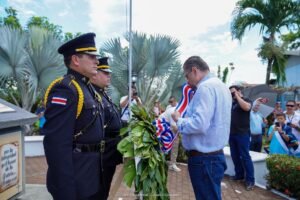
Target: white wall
(292, 71)
(34, 146)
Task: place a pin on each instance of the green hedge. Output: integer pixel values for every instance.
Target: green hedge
(284, 174)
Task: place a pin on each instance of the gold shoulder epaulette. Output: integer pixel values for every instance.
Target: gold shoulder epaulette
(78, 89)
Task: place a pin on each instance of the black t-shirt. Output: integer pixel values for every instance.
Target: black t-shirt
(240, 119)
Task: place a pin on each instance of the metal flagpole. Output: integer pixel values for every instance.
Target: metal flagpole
(130, 58)
(136, 159)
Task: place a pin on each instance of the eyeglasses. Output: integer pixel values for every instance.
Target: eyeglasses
(186, 75)
(289, 105)
(171, 101)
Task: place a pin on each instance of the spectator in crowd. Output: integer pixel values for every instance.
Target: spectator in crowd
(167, 115)
(282, 141)
(40, 113)
(124, 104)
(292, 118)
(157, 109)
(239, 139)
(277, 109)
(257, 124)
(297, 109)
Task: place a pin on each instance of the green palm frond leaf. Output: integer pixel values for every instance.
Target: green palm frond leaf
(45, 63)
(152, 61)
(13, 54)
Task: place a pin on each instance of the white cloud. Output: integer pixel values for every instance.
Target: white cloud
(23, 7)
(180, 19)
(107, 18)
(47, 2)
(19, 2)
(63, 13)
(201, 26)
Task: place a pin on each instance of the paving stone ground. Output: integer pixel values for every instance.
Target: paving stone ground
(179, 185)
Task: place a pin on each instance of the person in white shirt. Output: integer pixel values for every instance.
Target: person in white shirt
(157, 109)
(135, 99)
(292, 118)
(297, 110)
(167, 115)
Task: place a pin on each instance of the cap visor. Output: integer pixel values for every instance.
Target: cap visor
(105, 70)
(94, 53)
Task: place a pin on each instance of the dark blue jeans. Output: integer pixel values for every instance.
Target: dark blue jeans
(239, 150)
(206, 173)
(256, 143)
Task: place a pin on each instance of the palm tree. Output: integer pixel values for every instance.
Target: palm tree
(153, 62)
(45, 64)
(13, 57)
(271, 15)
(29, 59)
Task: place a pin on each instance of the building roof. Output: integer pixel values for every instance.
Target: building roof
(292, 53)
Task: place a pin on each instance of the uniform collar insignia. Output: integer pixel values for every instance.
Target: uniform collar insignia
(77, 76)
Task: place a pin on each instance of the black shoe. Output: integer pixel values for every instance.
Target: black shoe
(249, 186)
(234, 178)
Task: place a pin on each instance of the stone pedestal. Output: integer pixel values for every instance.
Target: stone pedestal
(12, 170)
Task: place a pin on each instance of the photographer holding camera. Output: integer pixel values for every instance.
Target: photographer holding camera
(239, 139)
(135, 99)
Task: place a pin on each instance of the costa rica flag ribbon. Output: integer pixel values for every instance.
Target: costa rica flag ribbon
(187, 94)
(59, 101)
(163, 129)
(164, 134)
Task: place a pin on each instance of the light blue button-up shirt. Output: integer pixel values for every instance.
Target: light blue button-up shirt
(256, 123)
(206, 125)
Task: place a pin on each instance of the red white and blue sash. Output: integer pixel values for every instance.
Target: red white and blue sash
(163, 128)
(187, 94)
(164, 134)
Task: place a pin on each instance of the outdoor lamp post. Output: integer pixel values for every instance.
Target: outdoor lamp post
(134, 78)
(231, 71)
(231, 66)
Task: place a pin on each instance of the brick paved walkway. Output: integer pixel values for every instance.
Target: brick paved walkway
(179, 184)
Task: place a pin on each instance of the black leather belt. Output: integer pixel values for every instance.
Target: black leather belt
(89, 147)
(192, 153)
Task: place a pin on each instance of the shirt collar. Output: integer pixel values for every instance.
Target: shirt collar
(205, 78)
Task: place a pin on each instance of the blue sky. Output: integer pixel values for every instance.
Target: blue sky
(202, 27)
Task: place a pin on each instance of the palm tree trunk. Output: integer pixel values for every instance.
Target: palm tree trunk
(269, 69)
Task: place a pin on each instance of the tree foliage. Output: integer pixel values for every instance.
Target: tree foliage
(69, 36)
(43, 22)
(150, 174)
(28, 57)
(11, 19)
(292, 39)
(269, 52)
(29, 61)
(154, 61)
(271, 16)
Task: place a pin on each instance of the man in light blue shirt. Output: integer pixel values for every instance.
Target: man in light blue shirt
(257, 123)
(205, 128)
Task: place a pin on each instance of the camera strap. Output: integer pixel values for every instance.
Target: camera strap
(124, 111)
